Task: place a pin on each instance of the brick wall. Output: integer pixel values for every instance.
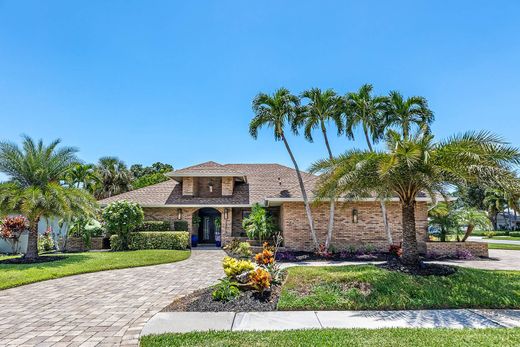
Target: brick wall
(369, 229)
(477, 249)
(227, 186)
(236, 227)
(188, 184)
(76, 244)
(203, 187)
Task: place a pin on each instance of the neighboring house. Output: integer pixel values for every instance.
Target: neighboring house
(509, 219)
(211, 190)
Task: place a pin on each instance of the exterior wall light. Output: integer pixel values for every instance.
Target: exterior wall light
(179, 213)
(226, 213)
(354, 216)
(210, 187)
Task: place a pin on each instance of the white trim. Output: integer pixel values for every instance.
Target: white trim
(189, 206)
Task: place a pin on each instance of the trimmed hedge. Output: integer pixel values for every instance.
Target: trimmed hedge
(153, 225)
(514, 233)
(152, 240)
(180, 225)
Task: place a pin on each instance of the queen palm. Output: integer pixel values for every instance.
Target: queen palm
(83, 176)
(114, 176)
(407, 114)
(495, 202)
(322, 108)
(34, 188)
(416, 164)
(365, 110)
(278, 111)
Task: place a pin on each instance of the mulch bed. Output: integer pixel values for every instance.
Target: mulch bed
(297, 257)
(423, 269)
(202, 301)
(38, 260)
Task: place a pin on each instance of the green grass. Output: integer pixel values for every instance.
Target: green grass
(12, 275)
(504, 238)
(366, 287)
(503, 246)
(342, 337)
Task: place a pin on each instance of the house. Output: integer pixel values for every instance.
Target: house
(225, 193)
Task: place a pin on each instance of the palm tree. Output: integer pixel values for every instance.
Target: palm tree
(34, 188)
(411, 165)
(365, 110)
(322, 107)
(495, 202)
(472, 218)
(442, 217)
(406, 113)
(83, 176)
(277, 111)
(114, 176)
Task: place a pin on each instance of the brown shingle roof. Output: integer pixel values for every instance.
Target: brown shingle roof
(263, 180)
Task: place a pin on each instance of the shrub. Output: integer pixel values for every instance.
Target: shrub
(395, 250)
(225, 290)
(12, 229)
(260, 280)
(152, 240)
(285, 255)
(324, 252)
(180, 225)
(463, 254)
(265, 257)
(490, 234)
(232, 246)
(121, 218)
(153, 225)
(244, 249)
(276, 273)
(259, 224)
(45, 242)
(234, 267)
(514, 233)
(85, 229)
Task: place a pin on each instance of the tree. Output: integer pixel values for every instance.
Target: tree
(259, 224)
(277, 111)
(34, 188)
(121, 218)
(82, 176)
(472, 218)
(414, 164)
(363, 109)
(495, 203)
(149, 175)
(407, 113)
(471, 195)
(442, 218)
(148, 180)
(114, 177)
(322, 107)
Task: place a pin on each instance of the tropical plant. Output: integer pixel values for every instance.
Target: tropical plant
(234, 267)
(260, 280)
(139, 171)
(148, 180)
(471, 195)
(244, 249)
(277, 111)
(82, 176)
(321, 108)
(407, 114)
(442, 217)
(45, 242)
(416, 164)
(121, 218)
(34, 190)
(225, 290)
(365, 110)
(472, 218)
(495, 203)
(259, 224)
(11, 229)
(266, 256)
(84, 228)
(114, 177)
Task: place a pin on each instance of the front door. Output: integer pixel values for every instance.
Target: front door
(208, 229)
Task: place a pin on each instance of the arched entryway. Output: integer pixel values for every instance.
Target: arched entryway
(210, 226)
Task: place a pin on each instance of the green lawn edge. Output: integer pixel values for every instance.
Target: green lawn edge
(14, 275)
(505, 246)
(389, 337)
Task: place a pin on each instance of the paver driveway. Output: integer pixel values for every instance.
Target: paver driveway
(104, 308)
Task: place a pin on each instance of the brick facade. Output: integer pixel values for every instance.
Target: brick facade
(477, 249)
(228, 184)
(203, 187)
(369, 229)
(188, 185)
(76, 244)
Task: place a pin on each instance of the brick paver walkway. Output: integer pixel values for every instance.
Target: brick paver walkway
(106, 308)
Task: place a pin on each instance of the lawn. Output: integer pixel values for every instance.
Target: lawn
(342, 337)
(366, 287)
(503, 246)
(12, 275)
(510, 238)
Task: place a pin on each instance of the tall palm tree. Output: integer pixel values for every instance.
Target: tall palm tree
(495, 202)
(322, 108)
(114, 176)
(278, 111)
(417, 164)
(34, 188)
(365, 110)
(407, 113)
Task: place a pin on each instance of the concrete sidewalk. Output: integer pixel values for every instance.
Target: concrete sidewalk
(182, 322)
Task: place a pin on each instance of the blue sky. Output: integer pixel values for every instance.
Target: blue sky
(173, 81)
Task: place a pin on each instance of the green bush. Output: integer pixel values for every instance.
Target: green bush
(152, 240)
(514, 233)
(490, 234)
(244, 249)
(45, 242)
(154, 225)
(180, 225)
(225, 290)
(121, 218)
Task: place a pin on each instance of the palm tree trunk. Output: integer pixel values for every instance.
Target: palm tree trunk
(365, 130)
(410, 251)
(304, 193)
(385, 223)
(332, 200)
(468, 232)
(32, 242)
